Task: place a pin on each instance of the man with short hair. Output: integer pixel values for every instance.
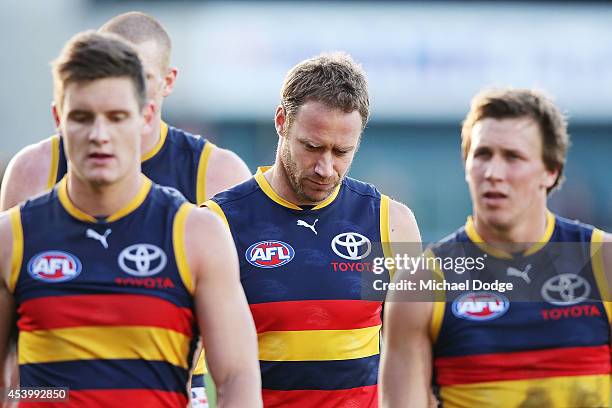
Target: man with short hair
(111, 275)
(171, 157)
(305, 233)
(546, 342)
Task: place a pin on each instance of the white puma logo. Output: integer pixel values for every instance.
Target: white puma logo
(305, 224)
(102, 238)
(520, 274)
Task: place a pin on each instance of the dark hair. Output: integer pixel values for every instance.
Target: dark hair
(91, 55)
(332, 78)
(516, 103)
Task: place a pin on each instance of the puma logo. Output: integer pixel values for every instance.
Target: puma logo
(520, 274)
(305, 224)
(102, 238)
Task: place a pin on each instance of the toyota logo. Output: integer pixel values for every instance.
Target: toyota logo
(142, 260)
(566, 289)
(351, 245)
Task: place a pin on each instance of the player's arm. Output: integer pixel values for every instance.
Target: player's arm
(27, 174)
(607, 266)
(225, 321)
(7, 308)
(226, 169)
(406, 365)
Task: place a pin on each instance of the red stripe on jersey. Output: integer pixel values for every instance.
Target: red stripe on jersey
(523, 365)
(363, 397)
(116, 398)
(56, 312)
(316, 315)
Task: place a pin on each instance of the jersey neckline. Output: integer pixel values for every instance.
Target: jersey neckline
(473, 236)
(62, 193)
(267, 189)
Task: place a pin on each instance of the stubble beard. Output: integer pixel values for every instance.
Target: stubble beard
(291, 171)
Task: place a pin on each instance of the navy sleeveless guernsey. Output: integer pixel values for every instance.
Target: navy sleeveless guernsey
(318, 334)
(550, 349)
(105, 306)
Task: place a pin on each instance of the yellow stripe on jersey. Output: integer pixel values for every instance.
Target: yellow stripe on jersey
(145, 187)
(385, 234)
(319, 345)
(55, 143)
(214, 207)
(62, 195)
(200, 368)
(473, 235)
(104, 342)
(178, 242)
(550, 227)
(437, 314)
(267, 189)
(597, 239)
(163, 133)
(328, 200)
(570, 391)
(202, 170)
(17, 256)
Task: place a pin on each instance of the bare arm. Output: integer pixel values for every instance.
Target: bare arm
(27, 174)
(7, 307)
(225, 321)
(226, 169)
(406, 365)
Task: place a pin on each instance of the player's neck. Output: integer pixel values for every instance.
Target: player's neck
(150, 139)
(103, 200)
(279, 181)
(518, 236)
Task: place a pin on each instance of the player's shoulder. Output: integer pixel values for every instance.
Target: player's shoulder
(449, 243)
(35, 159)
(6, 237)
(183, 140)
(238, 193)
(166, 195)
(34, 163)
(361, 188)
(572, 228)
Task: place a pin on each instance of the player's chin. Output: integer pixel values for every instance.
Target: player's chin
(316, 195)
(101, 177)
(497, 218)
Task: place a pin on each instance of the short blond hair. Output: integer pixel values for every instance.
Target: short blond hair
(137, 27)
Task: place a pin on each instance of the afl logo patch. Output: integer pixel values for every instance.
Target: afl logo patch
(480, 306)
(142, 260)
(54, 266)
(269, 254)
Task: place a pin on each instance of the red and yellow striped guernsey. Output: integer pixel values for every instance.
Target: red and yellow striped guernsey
(105, 306)
(550, 349)
(305, 272)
